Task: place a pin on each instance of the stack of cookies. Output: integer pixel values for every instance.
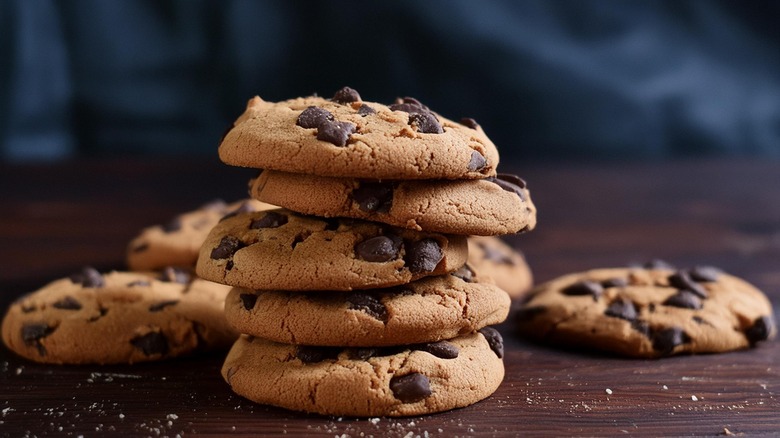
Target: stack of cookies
(356, 297)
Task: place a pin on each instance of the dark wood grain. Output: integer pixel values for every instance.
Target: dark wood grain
(57, 218)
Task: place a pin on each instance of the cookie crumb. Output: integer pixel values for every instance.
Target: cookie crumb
(609, 391)
(374, 421)
(694, 398)
(665, 387)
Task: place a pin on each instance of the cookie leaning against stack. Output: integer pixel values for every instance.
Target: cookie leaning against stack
(362, 277)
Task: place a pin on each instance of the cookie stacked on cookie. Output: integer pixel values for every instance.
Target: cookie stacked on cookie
(356, 297)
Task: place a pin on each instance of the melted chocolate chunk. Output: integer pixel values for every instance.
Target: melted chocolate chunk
(313, 117)
(683, 280)
(32, 333)
(705, 274)
(162, 304)
(379, 249)
(366, 110)
(664, 341)
(469, 122)
(760, 330)
(370, 304)
(312, 354)
(623, 309)
(423, 255)
(226, 248)
(411, 387)
(272, 219)
(494, 339)
(151, 343)
(361, 353)
(248, 301)
(477, 162)
(464, 273)
(374, 196)
(641, 326)
(88, 277)
(67, 303)
(614, 282)
(336, 133)
(426, 123)
(441, 349)
(585, 287)
(528, 313)
(173, 274)
(173, 225)
(346, 95)
(510, 183)
(684, 299)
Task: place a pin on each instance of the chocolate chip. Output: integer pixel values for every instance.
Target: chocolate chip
(248, 300)
(139, 283)
(423, 255)
(658, 264)
(494, 339)
(373, 196)
(371, 304)
(623, 309)
(313, 117)
(528, 313)
(426, 123)
(411, 387)
(495, 255)
(226, 248)
(409, 105)
(172, 274)
(88, 277)
(102, 312)
(684, 299)
(469, 122)
(705, 274)
(760, 330)
(378, 249)
(683, 280)
(641, 326)
(311, 354)
(441, 349)
(614, 282)
(67, 303)
(32, 333)
(585, 287)
(162, 304)
(173, 225)
(151, 343)
(366, 110)
(464, 273)
(346, 95)
(336, 133)
(510, 183)
(477, 162)
(361, 353)
(271, 219)
(664, 341)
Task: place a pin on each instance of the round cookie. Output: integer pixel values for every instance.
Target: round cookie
(392, 381)
(427, 310)
(118, 317)
(641, 312)
(347, 137)
(282, 250)
(491, 257)
(177, 243)
(485, 207)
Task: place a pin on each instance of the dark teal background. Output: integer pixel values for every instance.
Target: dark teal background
(548, 80)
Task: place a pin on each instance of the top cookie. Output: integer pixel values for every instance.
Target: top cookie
(484, 207)
(652, 312)
(178, 242)
(345, 136)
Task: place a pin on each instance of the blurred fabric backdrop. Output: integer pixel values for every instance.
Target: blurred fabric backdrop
(548, 80)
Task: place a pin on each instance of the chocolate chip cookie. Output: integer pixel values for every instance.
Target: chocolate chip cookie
(347, 137)
(118, 317)
(652, 312)
(282, 250)
(427, 310)
(391, 381)
(485, 207)
(178, 242)
(491, 257)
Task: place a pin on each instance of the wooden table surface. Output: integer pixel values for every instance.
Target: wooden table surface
(57, 218)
